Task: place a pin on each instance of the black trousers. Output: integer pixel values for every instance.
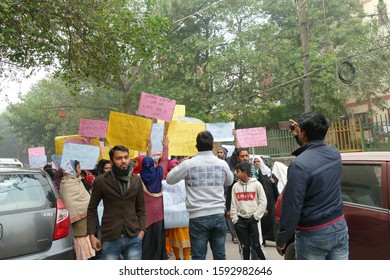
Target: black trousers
(248, 235)
(153, 244)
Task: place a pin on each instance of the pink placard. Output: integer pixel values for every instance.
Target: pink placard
(93, 128)
(156, 107)
(252, 137)
(38, 151)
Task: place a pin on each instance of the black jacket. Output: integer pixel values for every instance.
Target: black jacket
(312, 196)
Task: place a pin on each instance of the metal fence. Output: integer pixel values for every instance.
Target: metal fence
(349, 135)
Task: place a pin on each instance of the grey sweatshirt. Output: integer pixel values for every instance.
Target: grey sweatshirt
(205, 177)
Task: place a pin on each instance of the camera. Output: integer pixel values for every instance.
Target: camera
(292, 127)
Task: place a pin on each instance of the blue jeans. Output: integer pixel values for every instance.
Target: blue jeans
(327, 243)
(129, 247)
(208, 229)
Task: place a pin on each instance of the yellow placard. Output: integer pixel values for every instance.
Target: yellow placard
(180, 111)
(130, 131)
(182, 137)
(59, 142)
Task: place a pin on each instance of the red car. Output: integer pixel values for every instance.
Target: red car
(365, 186)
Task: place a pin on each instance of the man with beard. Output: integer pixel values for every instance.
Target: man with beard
(124, 219)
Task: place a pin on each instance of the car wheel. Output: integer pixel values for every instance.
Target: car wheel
(289, 254)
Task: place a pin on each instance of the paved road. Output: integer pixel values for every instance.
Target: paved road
(233, 254)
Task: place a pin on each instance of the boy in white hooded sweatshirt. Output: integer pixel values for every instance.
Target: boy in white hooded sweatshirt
(247, 207)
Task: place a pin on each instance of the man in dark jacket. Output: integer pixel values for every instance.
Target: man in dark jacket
(312, 205)
(124, 219)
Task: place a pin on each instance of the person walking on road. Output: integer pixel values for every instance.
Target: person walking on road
(123, 222)
(205, 178)
(248, 206)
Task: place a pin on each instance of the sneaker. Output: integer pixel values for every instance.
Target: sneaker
(235, 240)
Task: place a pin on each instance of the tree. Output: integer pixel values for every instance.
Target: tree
(104, 40)
(36, 121)
(234, 61)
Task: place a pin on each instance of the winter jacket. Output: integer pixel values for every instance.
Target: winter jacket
(122, 214)
(312, 197)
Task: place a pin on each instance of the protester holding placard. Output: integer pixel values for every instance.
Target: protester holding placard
(152, 176)
(205, 176)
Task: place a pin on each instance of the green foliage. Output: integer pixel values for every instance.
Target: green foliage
(225, 60)
(232, 61)
(36, 121)
(104, 40)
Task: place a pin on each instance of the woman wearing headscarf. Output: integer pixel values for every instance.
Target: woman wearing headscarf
(153, 247)
(76, 199)
(137, 166)
(179, 238)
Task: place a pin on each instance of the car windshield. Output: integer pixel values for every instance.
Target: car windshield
(19, 192)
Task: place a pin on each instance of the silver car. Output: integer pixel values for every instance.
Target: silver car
(34, 222)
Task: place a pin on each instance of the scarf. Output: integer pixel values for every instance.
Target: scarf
(137, 170)
(151, 175)
(122, 180)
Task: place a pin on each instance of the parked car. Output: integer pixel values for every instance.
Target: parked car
(34, 222)
(365, 185)
(10, 162)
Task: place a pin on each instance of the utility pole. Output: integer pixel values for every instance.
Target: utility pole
(305, 52)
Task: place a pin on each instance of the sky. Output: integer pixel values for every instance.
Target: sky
(11, 89)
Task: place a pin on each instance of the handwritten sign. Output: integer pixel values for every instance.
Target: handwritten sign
(182, 137)
(37, 161)
(252, 137)
(180, 111)
(93, 128)
(222, 132)
(156, 107)
(37, 151)
(130, 131)
(87, 155)
(59, 141)
(156, 137)
(37, 157)
(175, 211)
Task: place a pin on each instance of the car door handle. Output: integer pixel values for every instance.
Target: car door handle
(1, 231)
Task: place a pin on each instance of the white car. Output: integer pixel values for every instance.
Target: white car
(10, 162)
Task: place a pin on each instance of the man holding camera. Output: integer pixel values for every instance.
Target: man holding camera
(312, 205)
